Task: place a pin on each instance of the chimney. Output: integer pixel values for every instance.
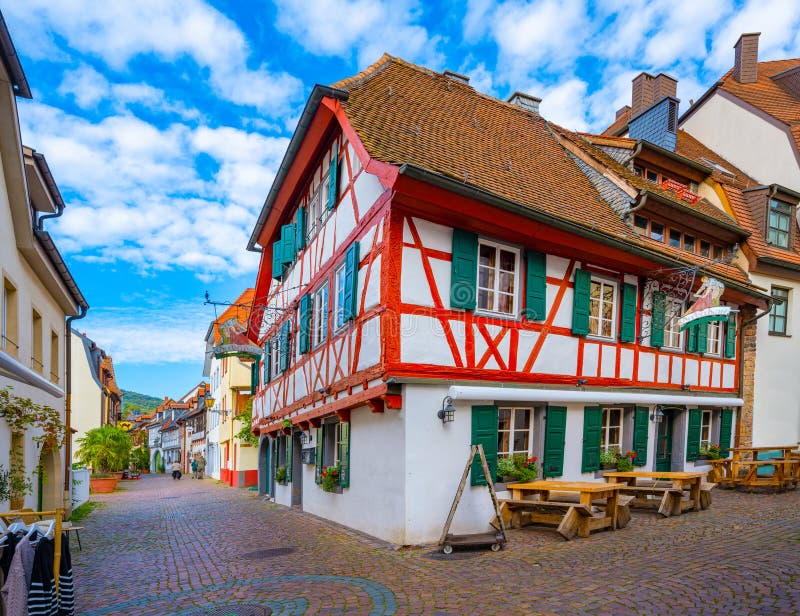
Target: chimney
(525, 101)
(745, 65)
(664, 85)
(456, 76)
(642, 93)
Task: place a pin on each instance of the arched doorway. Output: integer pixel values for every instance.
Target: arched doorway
(49, 481)
(156, 467)
(263, 466)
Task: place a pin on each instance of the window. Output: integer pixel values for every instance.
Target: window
(688, 243)
(339, 280)
(54, 357)
(651, 176)
(498, 269)
(513, 431)
(638, 170)
(332, 437)
(780, 216)
(705, 429)
(705, 248)
(314, 213)
(337, 444)
(778, 312)
(714, 345)
(602, 298)
(657, 231)
(36, 355)
(674, 238)
(718, 252)
(8, 335)
(611, 431)
(319, 316)
(275, 357)
(672, 331)
(640, 223)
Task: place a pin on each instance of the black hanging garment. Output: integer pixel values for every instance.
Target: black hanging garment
(8, 553)
(66, 589)
(42, 599)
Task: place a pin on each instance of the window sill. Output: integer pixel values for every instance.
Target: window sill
(596, 338)
(780, 335)
(496, 315)
(336, 490)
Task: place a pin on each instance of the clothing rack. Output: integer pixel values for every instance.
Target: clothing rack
(59, 515)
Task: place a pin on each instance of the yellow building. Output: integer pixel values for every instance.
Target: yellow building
(39, 296)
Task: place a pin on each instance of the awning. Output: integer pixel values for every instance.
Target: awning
(523, 394)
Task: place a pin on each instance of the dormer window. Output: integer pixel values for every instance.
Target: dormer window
(780, 216)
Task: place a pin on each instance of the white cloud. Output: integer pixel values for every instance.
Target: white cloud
(135, 193)
(121, 30)
(366, 28)
(141, 334)
(565, 104)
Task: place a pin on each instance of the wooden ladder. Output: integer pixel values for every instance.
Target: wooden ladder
(475, 449)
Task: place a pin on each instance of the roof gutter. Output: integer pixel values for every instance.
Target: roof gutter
(11, 60)
(52, 188)
(61, 267)
(309, 111)
(456, 186)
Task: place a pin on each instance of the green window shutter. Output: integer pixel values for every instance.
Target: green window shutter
(657, 319)
(484, 431)
(284, 346)
(730, 337)
(253, 378)
(592, 423)
(691, 339)
(464, 270)
(725, 430)
(277, 259)
(289, 444)
(693, 437)
(267, 360)
(555, 434)
(318, 458)
(702, 337)
(580, 302)
(304, 326)
(333, 182)
(301, 228)
(344, 454)
(627, 330)
(288, 240)
(351, 282)
(536, 286)
(641, 427)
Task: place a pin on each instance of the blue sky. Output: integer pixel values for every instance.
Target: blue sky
(164, 121)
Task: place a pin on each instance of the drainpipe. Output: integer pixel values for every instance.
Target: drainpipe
(68, 409)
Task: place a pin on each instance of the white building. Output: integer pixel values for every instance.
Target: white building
(750, 117)
(427, 248)
(39, 296)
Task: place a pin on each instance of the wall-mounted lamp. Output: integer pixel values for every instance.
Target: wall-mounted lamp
(209, 402)
(581, 382)
(448, 411)
(658, 415)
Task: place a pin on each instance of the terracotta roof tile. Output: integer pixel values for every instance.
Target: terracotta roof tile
(619, 125)
(240, 311)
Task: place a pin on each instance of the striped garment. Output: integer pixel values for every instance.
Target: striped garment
(42, 598)
(66, 589)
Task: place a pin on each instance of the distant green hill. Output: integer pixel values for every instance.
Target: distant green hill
(138, 403)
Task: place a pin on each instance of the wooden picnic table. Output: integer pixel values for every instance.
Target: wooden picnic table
(745, 472)
(587, 492)
(672, 496)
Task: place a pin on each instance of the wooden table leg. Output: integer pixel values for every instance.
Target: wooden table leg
(611, 503)
(694, 492)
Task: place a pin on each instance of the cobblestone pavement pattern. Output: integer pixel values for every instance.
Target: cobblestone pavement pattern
(196, 547)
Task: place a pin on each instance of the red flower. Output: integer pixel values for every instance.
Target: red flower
(631, 454)
(324, 473)
(335, 473)
(532, 459)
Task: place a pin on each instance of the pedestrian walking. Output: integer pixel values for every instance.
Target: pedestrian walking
(194, 468)
(176, 470)
(201, 467)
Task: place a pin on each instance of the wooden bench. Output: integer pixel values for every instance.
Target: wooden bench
(623, 505)
(670, 503)
(570, 518)
(705, 494)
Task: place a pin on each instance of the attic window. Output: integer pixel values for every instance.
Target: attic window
(718, 167)
(672, 117)
(779, 223)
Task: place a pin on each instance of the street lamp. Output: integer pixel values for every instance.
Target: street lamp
(209, 402)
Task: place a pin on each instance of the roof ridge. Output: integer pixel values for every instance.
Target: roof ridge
(366, 74)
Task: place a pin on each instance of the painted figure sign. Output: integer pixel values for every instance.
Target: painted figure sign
(706, 308)
(233, 340)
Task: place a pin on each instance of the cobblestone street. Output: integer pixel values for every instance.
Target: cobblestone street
(166, 547)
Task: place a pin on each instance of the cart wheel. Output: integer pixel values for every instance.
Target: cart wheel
(447, 548)
(496, 547)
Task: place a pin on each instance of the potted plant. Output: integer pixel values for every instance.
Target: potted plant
(104, 449)
(14, 485)
(330, 478)
(710, 452)
(280, 474)
(625, 463)
(608, 458)
(518, 467)
(140, 457)
(286, 426)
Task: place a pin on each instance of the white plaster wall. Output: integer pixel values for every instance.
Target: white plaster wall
(374, 502)
(86, 393)
(776, 403)
(756, 146)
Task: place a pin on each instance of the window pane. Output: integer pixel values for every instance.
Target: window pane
(504, 419)
(594, 291)
(507, 261)
(688, 243)
(674, 238)
(487, 255)
(657, 231)
(485, 277)
(717, 252)
(505, 303)
(652, 176)
(606, 329)
(485, 300)
(640, 223)
(705, 248)
(503, 440)
(521, 441)
(522, 418)
(608, 293)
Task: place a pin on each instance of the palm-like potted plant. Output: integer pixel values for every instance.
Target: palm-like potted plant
(105, 450)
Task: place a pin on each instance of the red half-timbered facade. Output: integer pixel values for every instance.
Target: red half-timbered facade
(428, 248)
